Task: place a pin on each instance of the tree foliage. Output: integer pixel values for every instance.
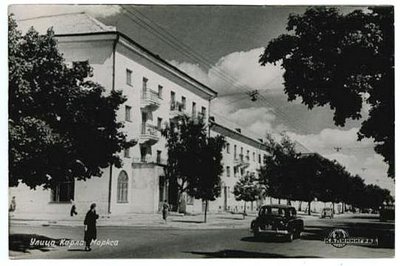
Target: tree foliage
(344, 61)
(306, 177)
(62, 125)
(248, 189)
(194, 159)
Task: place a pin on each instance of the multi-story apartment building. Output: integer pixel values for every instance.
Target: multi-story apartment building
(242, 155)
(156, 92)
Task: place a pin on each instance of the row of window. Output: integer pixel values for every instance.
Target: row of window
(174, 105)
(64, 192)
(228, 151)
(143, 152)
(236, 171)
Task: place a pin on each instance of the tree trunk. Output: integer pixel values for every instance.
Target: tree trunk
(244, 211)
(205, 212)
(309, 208)
(279, 201)
(299, 206)
(333, 207)
(288, 202)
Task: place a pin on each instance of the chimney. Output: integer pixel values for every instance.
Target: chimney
(238, 130)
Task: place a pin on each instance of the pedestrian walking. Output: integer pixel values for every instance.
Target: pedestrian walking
(165, 209)
(13, 205)
(73, 209)
(90, 226)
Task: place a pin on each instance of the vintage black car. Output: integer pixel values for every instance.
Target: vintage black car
(277, 220)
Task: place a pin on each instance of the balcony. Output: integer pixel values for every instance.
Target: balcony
(150, 100)
(150, 160)
(149, 134)
(241, 161)
(176, 109)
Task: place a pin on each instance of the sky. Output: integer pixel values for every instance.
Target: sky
(220, 46)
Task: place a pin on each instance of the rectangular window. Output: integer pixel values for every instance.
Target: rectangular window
(63, 192)
(203, 111)
(158, 156)
(172, 100)
(254, 156)
(228, 171)
(127, 153)
(259, 158)
(228, 148)
(144, 85)
(194, 109)
(183, 103)
(160, 91)
(143, 153)
(129, 77)
(159, 123)
(128, 113)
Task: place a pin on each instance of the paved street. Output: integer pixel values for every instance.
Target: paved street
(167, 242)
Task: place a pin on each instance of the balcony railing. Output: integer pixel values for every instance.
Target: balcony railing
(241, 161)
(149, 160)
(176, 109)
(150, 134)
(151, 100)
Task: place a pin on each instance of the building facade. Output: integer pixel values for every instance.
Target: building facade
(242, 155)
(156, 93)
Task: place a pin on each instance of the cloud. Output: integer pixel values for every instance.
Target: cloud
(238, 72)
(329, 138)
(31, 11)
(232, 76)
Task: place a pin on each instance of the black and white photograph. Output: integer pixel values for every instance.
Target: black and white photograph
(200, 131)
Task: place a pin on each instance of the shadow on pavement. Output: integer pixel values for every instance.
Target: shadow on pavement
(266, 239)
(187, 221)
(231, 253)
(22, 242)
(232, 218)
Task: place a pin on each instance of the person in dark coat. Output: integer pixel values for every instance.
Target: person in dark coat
(73, 209)
(165, 209)
(90, 226)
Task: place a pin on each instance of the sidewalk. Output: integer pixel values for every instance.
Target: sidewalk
(175, 220)
(222, 220)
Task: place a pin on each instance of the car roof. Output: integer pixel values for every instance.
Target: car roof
(281, 206)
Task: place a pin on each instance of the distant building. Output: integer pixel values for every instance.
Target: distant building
(242, 155)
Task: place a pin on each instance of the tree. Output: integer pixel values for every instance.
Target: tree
(194, 159)
(280, 169)
(62, 125)
(344, 61)
(247, 189)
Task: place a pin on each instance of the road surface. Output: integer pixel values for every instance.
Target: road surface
(153, 242)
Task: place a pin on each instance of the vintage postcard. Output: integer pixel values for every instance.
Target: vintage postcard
(199, 131)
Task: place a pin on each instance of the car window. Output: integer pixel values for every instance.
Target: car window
(275, 211)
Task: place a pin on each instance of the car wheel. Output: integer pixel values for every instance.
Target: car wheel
(290, 237)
